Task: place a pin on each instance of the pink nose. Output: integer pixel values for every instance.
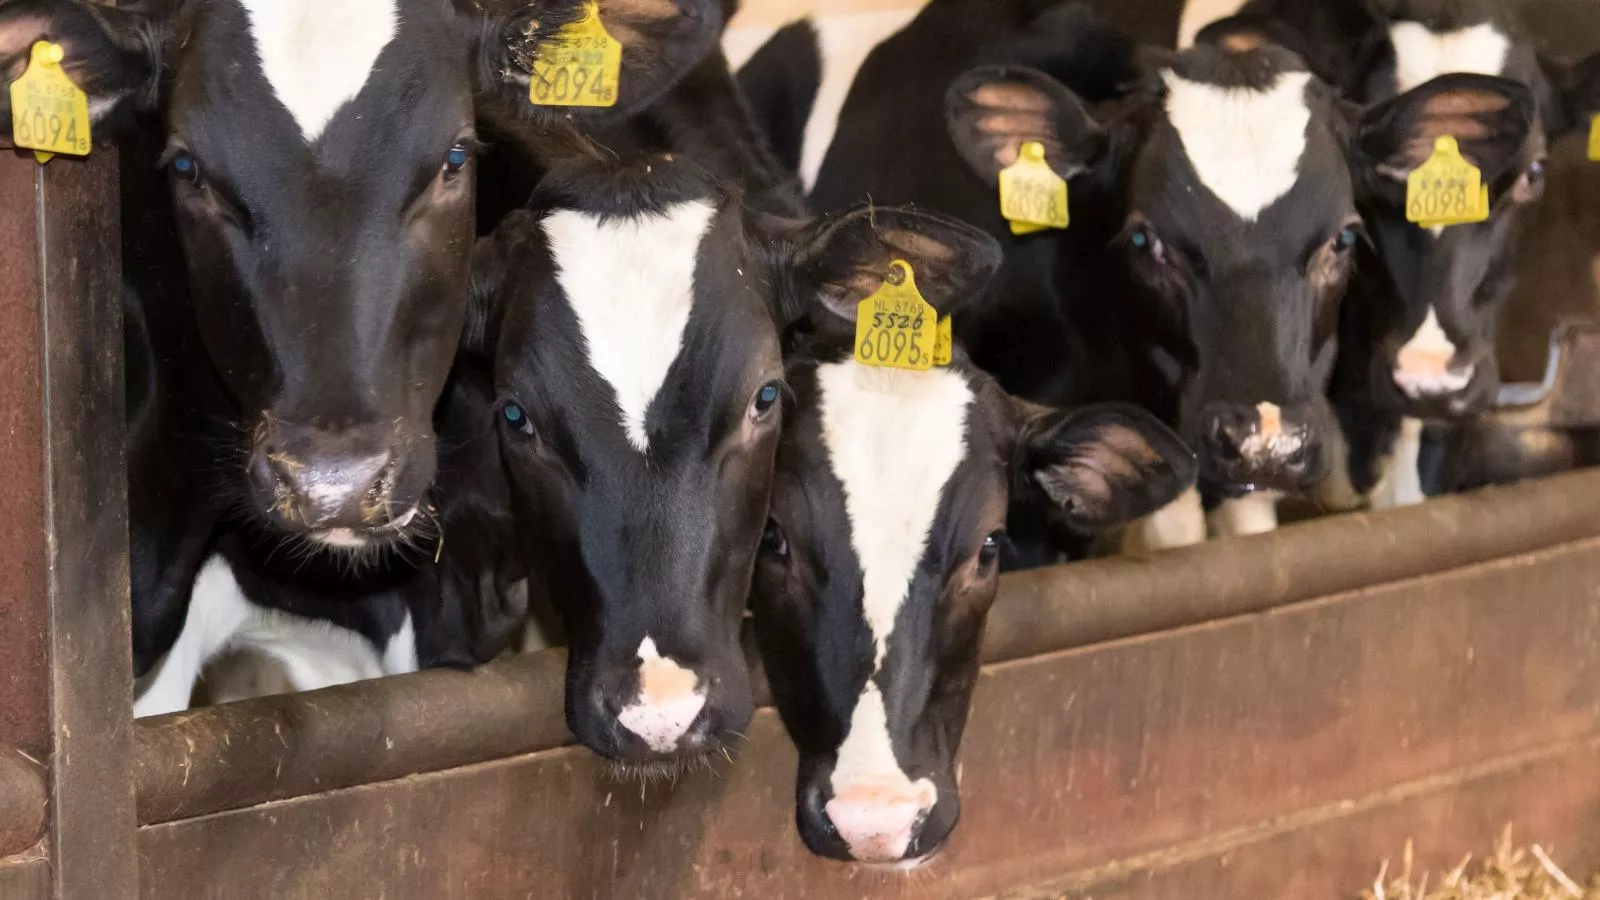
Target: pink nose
(662, 724)
(878, 823)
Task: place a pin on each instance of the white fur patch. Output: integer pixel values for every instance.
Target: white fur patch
(1181, 523)
(312, 652)
(317, 56)
(631, 284)
(1402, 482)
(400, 653)
(1255, 513)
(1197, 14)
(669, 700)
(1245, 145)
(1422, 55)
(894, 438)
(881, 823)
(1422, 367)
(844, 42)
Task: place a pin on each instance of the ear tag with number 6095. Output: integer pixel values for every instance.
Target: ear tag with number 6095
(49, 114)
(1594, 139)
(580, 66)
(1032, 196)
(896, 327)
(1446, 190)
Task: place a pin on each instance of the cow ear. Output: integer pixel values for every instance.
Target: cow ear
(1490, 118)
(1102, 465)
(841, 261)
(661, 41)
(1579, 87)
(993, 110)
(113, 55)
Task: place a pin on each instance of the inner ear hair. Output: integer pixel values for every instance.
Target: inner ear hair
(993, 110)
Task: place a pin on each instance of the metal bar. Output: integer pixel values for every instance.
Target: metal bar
(1327, 728)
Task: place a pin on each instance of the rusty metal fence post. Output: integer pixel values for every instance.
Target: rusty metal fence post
(65, 683)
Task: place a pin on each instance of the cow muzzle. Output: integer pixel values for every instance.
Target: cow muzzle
(1260, 447)
(346, 488)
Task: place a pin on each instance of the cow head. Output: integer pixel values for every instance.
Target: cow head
(321, 167)
(635, 322)
(1432, 298)
(1235, 185)
(881, 555)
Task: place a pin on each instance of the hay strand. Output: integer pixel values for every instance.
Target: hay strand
(1509, 873)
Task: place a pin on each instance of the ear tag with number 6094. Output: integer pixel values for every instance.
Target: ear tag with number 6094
(580, 66)
(1594, 139)
(896, 327)
(49, 114)
(1446, 190)
(1032, 196)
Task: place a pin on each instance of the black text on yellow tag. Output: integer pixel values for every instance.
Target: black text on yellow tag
(49, 114)
(896, 327)
(1032, 196)
(580, 67)
(1446, 189)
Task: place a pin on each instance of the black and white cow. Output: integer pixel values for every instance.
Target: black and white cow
(634, 316)
(882, 553)
(297, 263)
(1240, 182)
(1419, 335)
(855, 103)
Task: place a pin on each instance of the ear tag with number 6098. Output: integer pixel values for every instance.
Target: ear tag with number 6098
(1594, 139)
(1446, 190)
(896, 327)
(49, 114)
(580, 66)
(1032, 196)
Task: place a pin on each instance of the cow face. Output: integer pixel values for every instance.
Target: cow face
(1239, 207)
(636, 343)
(321, 161)
(881, 559)
(1429, 299)
(1436, 295)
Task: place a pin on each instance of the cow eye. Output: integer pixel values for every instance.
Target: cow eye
(765, 400)
(989, 553)
(773, 543)
(1145, 243)
(516, 419)
(1346, 239)
(456, 159)
(183, 164)
(1536, 172)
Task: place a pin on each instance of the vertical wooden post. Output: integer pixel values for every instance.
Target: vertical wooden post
(65, 672)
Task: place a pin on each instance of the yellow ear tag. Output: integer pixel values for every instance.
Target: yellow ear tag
(1594, 139)
(1032, 196)
(49, 114)
(943, 345)
(1446, 190)
(579, 67)
(895, 327)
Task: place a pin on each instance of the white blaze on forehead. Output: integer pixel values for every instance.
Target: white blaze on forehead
(317, 55)
(893, 438)
(631, 283)
(1245, 145)
(843, 41)
(1422, 55)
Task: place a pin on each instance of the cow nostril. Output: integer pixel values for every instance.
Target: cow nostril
(375, 504)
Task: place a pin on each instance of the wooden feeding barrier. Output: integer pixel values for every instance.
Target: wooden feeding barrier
(1264, 717)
